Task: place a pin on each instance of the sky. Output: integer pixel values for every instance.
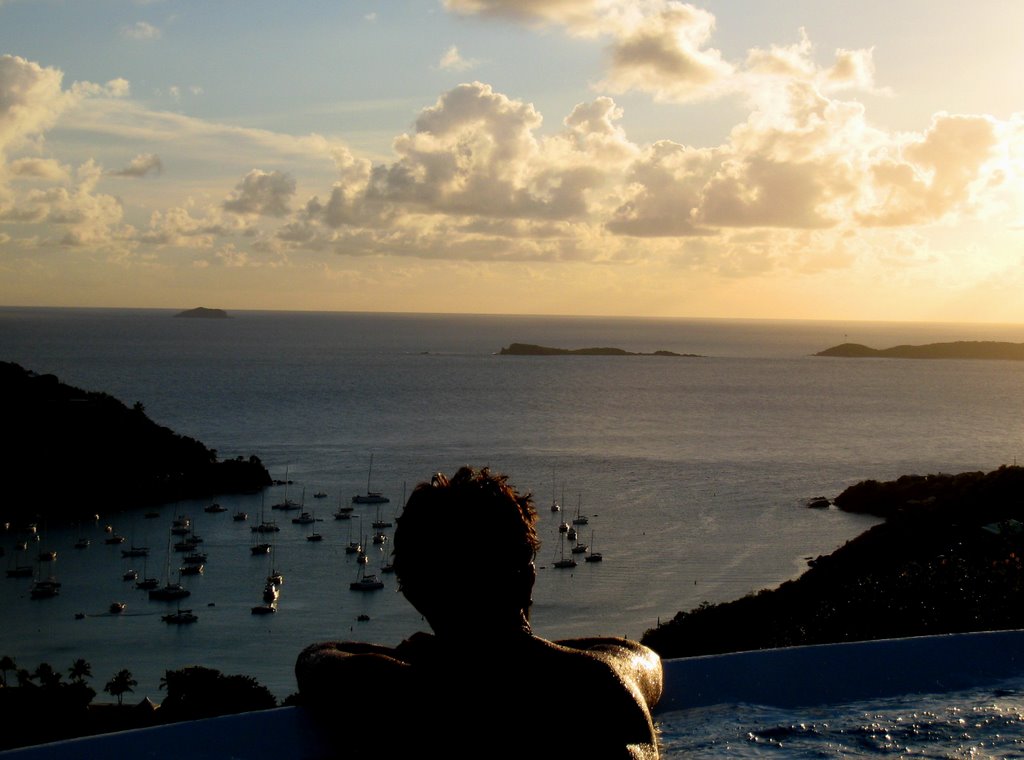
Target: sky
(789, 159)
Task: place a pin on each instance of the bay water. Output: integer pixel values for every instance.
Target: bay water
(694, 472)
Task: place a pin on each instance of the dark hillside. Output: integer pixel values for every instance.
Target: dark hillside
(71, 453)
(948, 559)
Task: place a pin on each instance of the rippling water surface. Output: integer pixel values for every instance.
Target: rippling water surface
(693, 471)
(980, 723)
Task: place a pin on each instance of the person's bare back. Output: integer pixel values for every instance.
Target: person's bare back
(483, 682)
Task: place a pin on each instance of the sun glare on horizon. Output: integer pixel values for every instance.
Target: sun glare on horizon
(615, 157)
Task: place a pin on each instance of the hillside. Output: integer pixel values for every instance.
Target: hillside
(73, 453)
(947, 559)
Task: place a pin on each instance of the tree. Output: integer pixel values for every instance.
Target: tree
(7, 663)
(80, 670)
(48, 677)
(24, 677)
(121, 684)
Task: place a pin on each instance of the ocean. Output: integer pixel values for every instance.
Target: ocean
(694, 472)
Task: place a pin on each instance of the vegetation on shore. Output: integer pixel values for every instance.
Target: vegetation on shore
(963, 349)
(43, 707)
(74, 453)
(531, 349)
(947, 559)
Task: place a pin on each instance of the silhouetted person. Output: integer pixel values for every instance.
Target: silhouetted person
(483, 684)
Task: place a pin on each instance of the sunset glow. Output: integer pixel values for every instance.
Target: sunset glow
(620, 157)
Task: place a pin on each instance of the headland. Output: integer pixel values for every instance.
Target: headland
(948, 558)
(86, 452)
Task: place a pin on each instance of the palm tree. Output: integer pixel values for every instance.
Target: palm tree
(120, 684)
(7, 663)
(80, 670)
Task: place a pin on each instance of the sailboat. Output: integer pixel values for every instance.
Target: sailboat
(147, 583)
(169, 592)
(593, 556)
(287, 504)
(265, 526)
(563, 562)
(580, 519)
(555, 506)
(366, 582)
(370, 497)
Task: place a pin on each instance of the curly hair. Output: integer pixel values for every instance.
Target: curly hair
(436, 518)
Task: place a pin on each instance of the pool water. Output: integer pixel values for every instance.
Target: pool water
(977, 723)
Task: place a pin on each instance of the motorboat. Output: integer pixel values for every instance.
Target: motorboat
(264, 609)
(215, 509)
(192, 569)
(240, 516)
(116, 608)
(130, 575)
(304, 519)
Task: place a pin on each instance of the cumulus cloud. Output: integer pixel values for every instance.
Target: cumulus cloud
(452, 60)
(140, 30)
(262, 193)
(31, 99)
(656, 46)
(140, 166)
(933, 174)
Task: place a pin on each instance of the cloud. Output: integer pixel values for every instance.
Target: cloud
(39, 168)
(31, 99)
(452, 60)
(656, 46)
(933, 174)
(140, 30)
(262, 193)
(80, 214)
(140, 166)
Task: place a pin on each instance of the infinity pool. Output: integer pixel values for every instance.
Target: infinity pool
(975, 723)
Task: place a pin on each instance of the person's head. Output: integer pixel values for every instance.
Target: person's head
(464, 550)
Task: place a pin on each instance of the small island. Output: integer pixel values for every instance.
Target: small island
(963, 349)
(201, 312)
(531, 349)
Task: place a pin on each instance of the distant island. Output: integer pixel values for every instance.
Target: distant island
(949, 558)
(201, 312)
(964, 349)
(73, 453)
(530, 349)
